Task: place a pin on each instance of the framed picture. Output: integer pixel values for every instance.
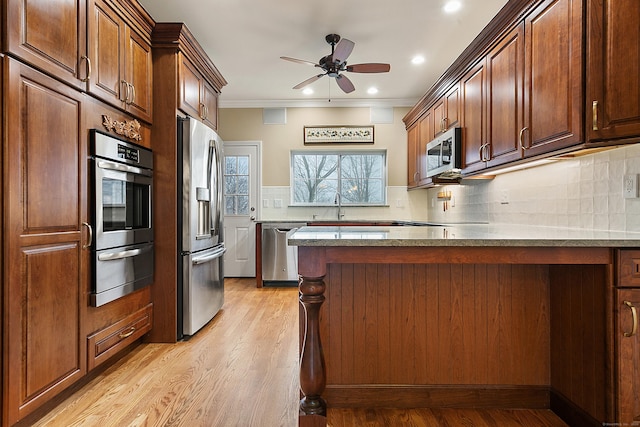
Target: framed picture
(338, 134)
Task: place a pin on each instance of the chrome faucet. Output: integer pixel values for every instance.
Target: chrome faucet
(338, 201)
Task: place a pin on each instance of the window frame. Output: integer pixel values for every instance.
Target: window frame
(340, 154)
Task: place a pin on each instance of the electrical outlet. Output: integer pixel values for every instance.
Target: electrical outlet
(277, 203)
(630, 186)
(504, 197)
(265, 203)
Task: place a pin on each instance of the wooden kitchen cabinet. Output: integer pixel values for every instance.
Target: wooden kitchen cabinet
(121, 63)
(628, 357)
(504, 104)
(413, 171)
(45, 261)
(50, 35)
(198, 98)
(613, 61)
(181, 70)
(473, 118)
(426, 135)
(446, 111)
(553, 77)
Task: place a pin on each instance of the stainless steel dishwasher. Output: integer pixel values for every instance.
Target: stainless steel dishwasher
(279, 260)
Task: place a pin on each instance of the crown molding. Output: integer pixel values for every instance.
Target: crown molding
(316, 103)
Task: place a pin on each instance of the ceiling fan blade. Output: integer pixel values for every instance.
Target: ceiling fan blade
(308, 81)
(343, 50)
(345, 84)
(369, 68)
(299, 61)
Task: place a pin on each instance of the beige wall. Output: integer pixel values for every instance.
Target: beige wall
(245, 124)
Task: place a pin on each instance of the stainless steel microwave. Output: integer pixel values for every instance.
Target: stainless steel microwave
(443, 154)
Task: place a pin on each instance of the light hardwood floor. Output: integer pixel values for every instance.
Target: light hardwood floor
(240, 370)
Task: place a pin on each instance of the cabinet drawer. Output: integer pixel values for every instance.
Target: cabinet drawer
(108, 341)
(628, 268)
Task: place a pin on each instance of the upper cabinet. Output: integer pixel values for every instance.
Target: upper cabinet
(446, 112)
(198, 98)
(50, 35)
(613, 58)
(553, 77)
(518, 90)
(121, 63)
(99, 46)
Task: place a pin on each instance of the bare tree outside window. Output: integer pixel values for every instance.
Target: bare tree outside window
(359, 176)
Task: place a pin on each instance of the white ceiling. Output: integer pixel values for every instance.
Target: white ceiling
(245, 39)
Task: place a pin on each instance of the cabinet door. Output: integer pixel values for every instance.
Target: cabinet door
(473, 123)
(106, 42)
(49, 34)
(210, 105)
(190, 78)
(46, 267)
(553, 77)
(628, 357)
(413, 136)
(425, 136)
(452, 107)
(505, 97)
(139, 75)
(613, 58)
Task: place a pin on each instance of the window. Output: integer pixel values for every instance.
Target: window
(236, 185)
(358, 176)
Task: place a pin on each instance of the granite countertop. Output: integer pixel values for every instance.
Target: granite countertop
(461, 235)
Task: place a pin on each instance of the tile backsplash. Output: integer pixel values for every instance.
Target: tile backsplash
(583, 192)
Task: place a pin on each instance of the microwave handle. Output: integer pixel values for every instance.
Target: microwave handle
(123, 168)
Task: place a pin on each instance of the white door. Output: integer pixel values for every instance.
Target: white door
(241, 194)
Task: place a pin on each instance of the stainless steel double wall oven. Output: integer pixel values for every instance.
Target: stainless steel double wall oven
(122, 217)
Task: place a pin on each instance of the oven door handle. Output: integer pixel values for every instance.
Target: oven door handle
(206, 258)
(112, 256)
(123, 168)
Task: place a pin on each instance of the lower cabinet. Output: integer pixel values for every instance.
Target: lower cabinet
(105, 343)
(628, 357)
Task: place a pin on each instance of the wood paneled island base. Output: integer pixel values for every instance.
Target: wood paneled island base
(457, 326)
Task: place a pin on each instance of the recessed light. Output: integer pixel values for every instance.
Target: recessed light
(452, 6)
(372, 91)
(418, 59)
(307, 91)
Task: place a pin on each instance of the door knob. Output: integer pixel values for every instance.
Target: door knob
(253, 218)
(253, 209)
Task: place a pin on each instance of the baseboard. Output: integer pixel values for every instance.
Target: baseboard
(569, 412)
(446, 396)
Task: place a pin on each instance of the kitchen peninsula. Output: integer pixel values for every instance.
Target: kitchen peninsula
(470, 315)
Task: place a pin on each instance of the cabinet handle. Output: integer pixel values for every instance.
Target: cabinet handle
(88, 64)
(415, 176)
(521, 138)
(133, 93)
(90, 242)
(445, 120)
(123, 335)
(206, 112)
(595, 115)
(126, 91)
(634, 319)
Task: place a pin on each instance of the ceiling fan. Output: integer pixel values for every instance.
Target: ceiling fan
(336, 62)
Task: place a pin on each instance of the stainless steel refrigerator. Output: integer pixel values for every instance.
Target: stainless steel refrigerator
(201, 249)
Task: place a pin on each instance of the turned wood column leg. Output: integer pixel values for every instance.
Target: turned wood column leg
(312, 367)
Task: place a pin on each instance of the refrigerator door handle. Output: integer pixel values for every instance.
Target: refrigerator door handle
(210, 256)
(215, 182)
